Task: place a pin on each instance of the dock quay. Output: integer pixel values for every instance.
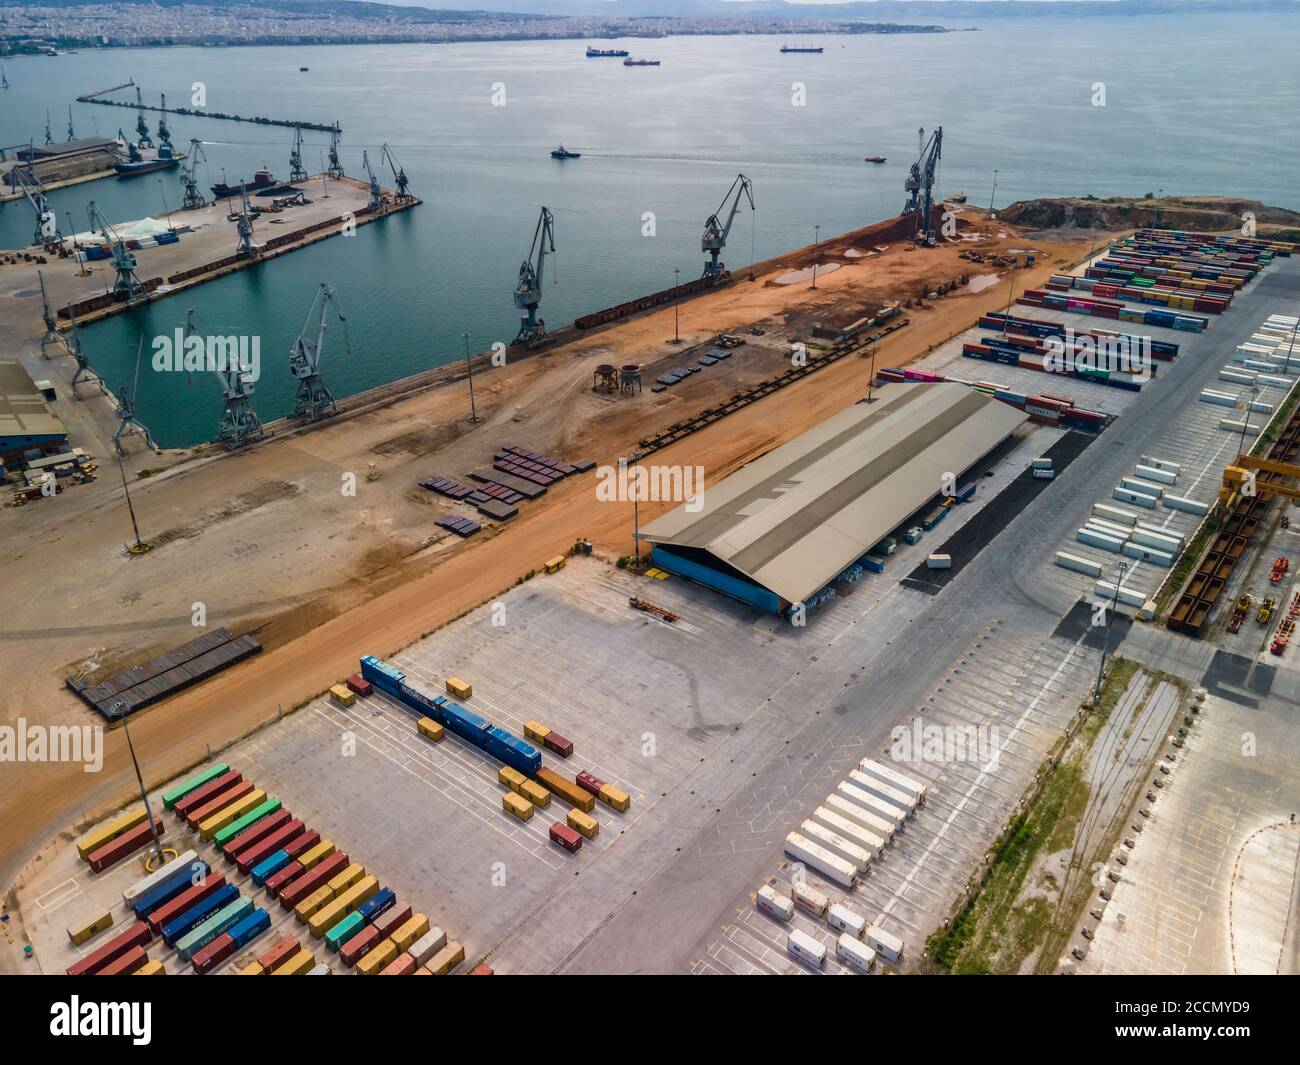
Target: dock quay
(198, 112)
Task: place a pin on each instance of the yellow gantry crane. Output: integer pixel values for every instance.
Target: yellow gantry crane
(1239, 479)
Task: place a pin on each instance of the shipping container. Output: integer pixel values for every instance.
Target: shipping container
(895, 778)
(299, 965)
(430, 729)
(208, 930)
(843, 919)
(209, 791)
(557, 743)
(312, 902)
(582, 823)
(402, 965)
(183, 860)
(223, 837)
(342, 695)
(207, 959)
(360, 685)
(377, 958)
(1078, 564)
(566, 790)
(252, 926)
(196, 816)
(459, 689)
(277, 881)
(343, 904)
(349, 876)
(869, 817)
(888, 793)
(121, 847)
(410, 930)
(806, 949)
(850, 830)
(79, 934)
(151, 968)
(281, 951)
(359, 945)
(312, 880)
(126, 964)
(773, 903)
(565, 837)
(589, 782)
(322, 850)
(614, 798)
(535, 793)
(173, 795)
(1138, 499)
(817, 858)
(170, 886)
(138, 935)
(839, 846)
(108, 831)
(185, 901)
(854, 954)
(810, 899)
(536, 731)
(392, 919)
(937, 561)
(519, 807)
(428, 945)
(446, 959)
(269, 866)
(510, 778)
(480, 970)
(344, 930)
(379, 903)
(228, 815)
(885, 944)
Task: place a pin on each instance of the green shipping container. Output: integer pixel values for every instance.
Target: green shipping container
(171, 798)
(226, 917)
(344, 930)
(272, 805)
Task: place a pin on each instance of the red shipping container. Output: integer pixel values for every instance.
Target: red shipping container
(255, 832)
(264, 848)
(388, 923)
(128, 963)
(138, 935)
(299, 844)
(480, 970)
(558, 744)
(201, 813)
(360, 685)
(276, 882)
(126, 844)
(359, 945)
(315, 877)
(213, 954)
(402, 965)
(182, 902)
(566, 838)
(207, 793)
(591, 783)
(283, 949)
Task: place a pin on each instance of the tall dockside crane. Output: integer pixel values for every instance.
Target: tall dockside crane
(143, 139)
(47, 316)
(126, 417)
(47, 222)
(190, 177)
(239, 423)
(49, 137)
(244, 226)
(528, 290)
(716, 231)
(164, 134)
(314, 400)
(919, 186)
(399, 174)
(84, 370)
(376, 194)
(71, 135)
(126, 284)
(335, 169)
(296, 171)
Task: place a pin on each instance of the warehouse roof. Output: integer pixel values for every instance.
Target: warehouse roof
(799, 515)
(23, 410)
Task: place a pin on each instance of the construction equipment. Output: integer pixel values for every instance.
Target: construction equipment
(193, 198)
(314, 399)
(399, 174)
(1283, 636)
(246, 249)
(1240, 612)
(716, 231)
(239, 423)
(141, 126)
(126, 284)
(376, 194)
(528, 289)
(164, 134)
(1266, 610)
(296, 171)
(637, 603)
(335, 169)
(1280, 565)
(919, 186)
(126, 416)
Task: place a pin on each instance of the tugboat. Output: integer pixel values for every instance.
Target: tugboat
(563, 153)
(606, 53)
(641, 62)
(263, 184)
(874, 159)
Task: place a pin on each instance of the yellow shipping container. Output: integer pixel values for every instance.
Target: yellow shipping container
(90, 928)
(377, 958)
(343, 695)
(252, 970)
(299, 965)
(535, 793)
(317, 854)
(584, 823)
(446, 959)
(554, 565)
(153, 967)
(332, 912)
(459, 688)
(237, 809)
(347, 878)
(614, 797)
(96, 838)
(430, 729)
(313, 902)
(410, 931)
(535, 730)
(511, 778)
(513, 804)
(423, 970)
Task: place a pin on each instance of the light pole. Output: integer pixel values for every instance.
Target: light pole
(140, 546)
(634, 489)
(817, 239)
(871, 381)
(166, 210)
(324, 184)
(677, 333)
(154, 829)
(994, 192)
(469, 368)
(1245, 421)
(1105, 645)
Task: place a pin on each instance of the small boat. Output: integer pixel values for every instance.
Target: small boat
(641, 62)
(812, 50)
(303, 70)
(606, 53)
(563, 153)
(263, 184)
(959, 198)
(874, 159)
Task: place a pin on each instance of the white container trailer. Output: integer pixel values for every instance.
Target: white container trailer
(887, 774)
(1149, 554)
(886, 945)
(854, 954)
(1138, 499)
(820, 860)
(829, 839)
(1118, 515)
(1238, 377)
(873, 822)
(772, 902)
(1274, 382)
(1150, 473)
(1079, 565)
(802, 946)
(810, 899)
(1160, 543)
(1235, 426)
(1219, 399)
(1043, 475)
(1110, 528)
(843, 919)
(886, 792)
(1137, 484)
(1129, 597)
(1096, 538)
(852, 831)
(1191, 506)
(937, 561)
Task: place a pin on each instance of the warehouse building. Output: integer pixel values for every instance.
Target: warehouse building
(29, 428)
(782, 528)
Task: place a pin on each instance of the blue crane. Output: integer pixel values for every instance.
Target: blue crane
(919, 186)
(715, 232)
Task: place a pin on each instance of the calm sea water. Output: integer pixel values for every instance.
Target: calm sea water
(1199, 105)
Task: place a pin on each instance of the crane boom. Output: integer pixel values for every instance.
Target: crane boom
(716, 231)
(314, 398)
(919, 185)
(528, 290)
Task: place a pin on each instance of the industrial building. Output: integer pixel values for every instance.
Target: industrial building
(29, 427)
(785, 526)
(63, 161)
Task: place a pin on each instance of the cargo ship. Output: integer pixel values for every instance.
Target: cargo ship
(138, 163)
(563, 153)
(263, 184)
(641, 62)
(814, 50)
(959, 198)
(606, 53)
(874, 159)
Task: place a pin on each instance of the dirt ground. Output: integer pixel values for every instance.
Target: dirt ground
(269, 540)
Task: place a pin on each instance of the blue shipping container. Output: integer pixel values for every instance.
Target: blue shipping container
(382, 900)
(250, 927)
(169, 887)
(195, 915)
(269, 867)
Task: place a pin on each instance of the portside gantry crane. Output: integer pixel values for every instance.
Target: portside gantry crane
(47, 316)
(141, 126)
(239, 423)
(126, 416)
(314, 400)
(335, 169)
(246, 249)
(127, 283)
(85, 372)
(190, 176)
(716, 231)
(919, 185)
(399, 174)
(296, 171)
(72, 136)
(49, 137)
(376, 194)
(47, 222)
(164, 134)
(528, 290)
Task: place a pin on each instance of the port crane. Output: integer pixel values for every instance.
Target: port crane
(296, 171)
(335, 169)
(126, 416)
(376, 194)
(164, 134)
(716, 232)
(71, 135)
(47, 222)
(244, 226)
(84, 370)
(143, 139)
(399, 174)
(47, 316)
(528, 290)
(919, 185)
(49, 137)
(127, 283)
(239, 423)
(314, 400)
(190, 177)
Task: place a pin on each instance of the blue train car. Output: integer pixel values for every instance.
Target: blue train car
(382, 675)
(421, 702)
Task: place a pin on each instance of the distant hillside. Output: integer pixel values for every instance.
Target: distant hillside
(1207, 213)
